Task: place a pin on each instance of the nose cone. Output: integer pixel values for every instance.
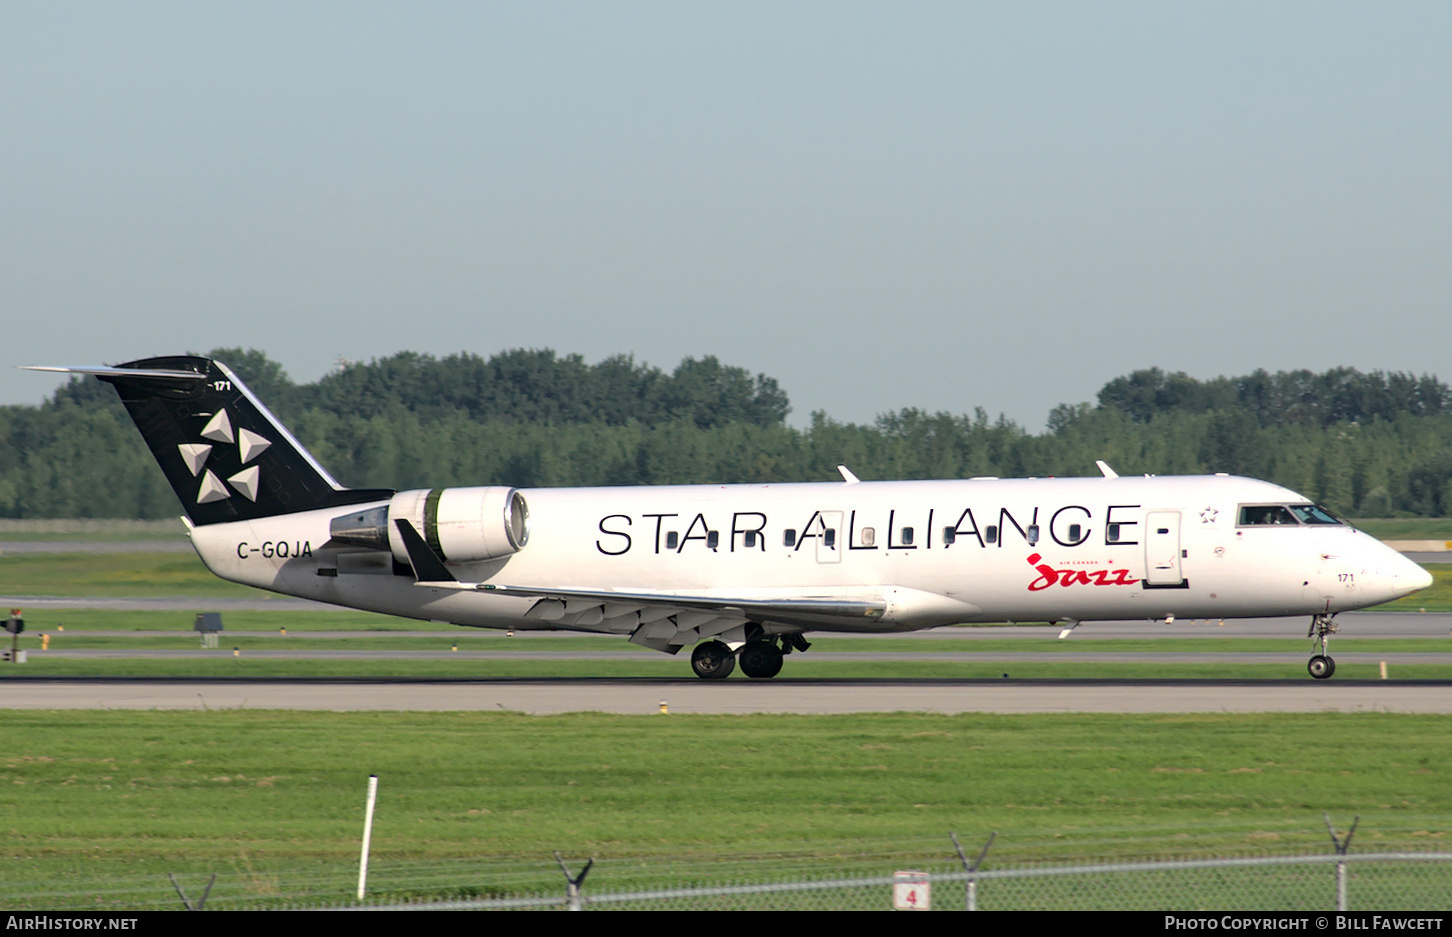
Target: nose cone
(1418, 579)
(1394, 577)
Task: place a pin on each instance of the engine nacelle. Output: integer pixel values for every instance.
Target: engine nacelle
(463, 525)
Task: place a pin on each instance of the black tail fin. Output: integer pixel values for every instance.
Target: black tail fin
(227, 457)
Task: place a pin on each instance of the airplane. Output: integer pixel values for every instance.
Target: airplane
(741, 573)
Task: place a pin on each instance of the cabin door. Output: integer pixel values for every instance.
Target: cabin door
(1162, 549)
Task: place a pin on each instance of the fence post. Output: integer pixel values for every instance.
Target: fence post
(1341, 846)
(970, 886)
(186, 902)
(573, 901)
(367, 835)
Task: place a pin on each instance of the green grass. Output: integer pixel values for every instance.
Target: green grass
(274, 797)
(12, 535)
(254, 622)
(1407, 528)
(150, 786)
(114, 575)
(91, 529)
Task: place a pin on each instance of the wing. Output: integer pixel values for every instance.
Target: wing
(664, 621)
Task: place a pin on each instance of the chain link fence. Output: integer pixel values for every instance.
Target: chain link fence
(1356, 882)
(1391, 882)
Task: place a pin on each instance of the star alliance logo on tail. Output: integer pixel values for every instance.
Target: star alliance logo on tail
(246, 482)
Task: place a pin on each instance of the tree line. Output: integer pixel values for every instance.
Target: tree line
(1365, 444)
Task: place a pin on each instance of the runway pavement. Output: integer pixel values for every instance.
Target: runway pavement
(646, 696)
(787, 695)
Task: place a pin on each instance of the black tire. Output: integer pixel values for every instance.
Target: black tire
(761, 660)
(1321, 667)
(712, 660)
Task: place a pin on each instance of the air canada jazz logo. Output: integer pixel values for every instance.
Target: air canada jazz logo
(247, 482)
(1048, 576)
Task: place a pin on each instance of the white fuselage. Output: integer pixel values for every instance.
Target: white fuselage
(1048, 549)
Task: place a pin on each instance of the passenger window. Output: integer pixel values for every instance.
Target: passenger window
(869, 536)
(1033, 534)
(672, 539)
(907, 536)
(991, 533)
(830, 537)
(1111, 533)
(713, 539)
(1074, 533)
(950, 536)
(789, 538)
(751, 539)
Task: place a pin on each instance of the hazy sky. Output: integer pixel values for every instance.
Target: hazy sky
(941, 205)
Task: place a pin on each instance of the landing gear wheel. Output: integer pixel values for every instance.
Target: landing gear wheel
(760, 659)
(1321, 666)
(712, 660)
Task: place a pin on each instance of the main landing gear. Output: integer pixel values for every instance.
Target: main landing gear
(712, 660)
(1321, 666)
(761, 657)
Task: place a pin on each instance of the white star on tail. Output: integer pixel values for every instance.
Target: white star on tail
(250, 445)
(212, 489)
(246, 481)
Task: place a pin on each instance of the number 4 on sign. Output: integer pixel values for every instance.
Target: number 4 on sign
(911, 891)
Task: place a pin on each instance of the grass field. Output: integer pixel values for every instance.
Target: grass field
(273, 800)
(140, 575)
(1407, 528)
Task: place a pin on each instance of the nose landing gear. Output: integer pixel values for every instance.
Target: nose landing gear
(1321, 666)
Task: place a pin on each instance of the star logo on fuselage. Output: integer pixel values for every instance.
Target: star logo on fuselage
(1208, 516)
(195, 455)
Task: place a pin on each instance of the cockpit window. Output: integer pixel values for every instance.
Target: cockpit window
(1314, 514)
(1260, 515)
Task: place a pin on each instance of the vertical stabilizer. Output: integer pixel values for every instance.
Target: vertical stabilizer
(227, 457)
